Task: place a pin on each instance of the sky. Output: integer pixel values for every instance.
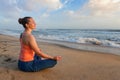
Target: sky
(62, 14)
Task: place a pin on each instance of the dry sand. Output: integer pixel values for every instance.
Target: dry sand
(75, 64)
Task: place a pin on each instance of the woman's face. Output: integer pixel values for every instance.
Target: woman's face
(31, 24)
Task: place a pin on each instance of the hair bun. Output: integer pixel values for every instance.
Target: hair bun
(20, 20)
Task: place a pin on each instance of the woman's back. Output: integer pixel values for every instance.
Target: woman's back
(26, 52)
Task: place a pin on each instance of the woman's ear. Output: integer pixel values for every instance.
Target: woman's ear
(26, 25)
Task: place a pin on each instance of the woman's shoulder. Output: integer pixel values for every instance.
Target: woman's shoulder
(30, 36)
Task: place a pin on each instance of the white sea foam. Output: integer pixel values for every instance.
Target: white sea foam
(82, 40)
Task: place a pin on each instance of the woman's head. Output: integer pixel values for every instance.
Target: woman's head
(27, 22)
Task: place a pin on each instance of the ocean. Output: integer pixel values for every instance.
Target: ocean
(109, 38)
(106, 41)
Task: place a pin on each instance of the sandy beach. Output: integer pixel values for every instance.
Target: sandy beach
(75, 64)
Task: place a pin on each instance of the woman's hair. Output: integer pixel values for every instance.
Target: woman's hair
(24, 21)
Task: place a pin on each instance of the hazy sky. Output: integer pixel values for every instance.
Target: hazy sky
(81, 14)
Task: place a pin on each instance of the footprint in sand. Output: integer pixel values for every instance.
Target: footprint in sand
(9, 60)
(6, 59)
(5, 50)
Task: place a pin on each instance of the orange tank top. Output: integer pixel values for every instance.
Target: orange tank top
(26, 53)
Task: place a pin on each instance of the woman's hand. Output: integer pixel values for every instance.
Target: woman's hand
(57, 58)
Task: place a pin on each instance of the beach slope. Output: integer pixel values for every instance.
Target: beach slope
(75, 64)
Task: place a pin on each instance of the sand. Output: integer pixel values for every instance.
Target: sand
(75, 64)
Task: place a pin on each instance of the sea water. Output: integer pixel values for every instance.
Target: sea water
(108, 38)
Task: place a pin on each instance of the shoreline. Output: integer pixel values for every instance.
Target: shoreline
(78, 46)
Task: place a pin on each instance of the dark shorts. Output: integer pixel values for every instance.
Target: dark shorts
(36, 65)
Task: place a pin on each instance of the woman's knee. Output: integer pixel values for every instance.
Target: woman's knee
(54, 62)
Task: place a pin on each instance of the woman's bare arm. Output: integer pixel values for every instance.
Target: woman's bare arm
(35, 47)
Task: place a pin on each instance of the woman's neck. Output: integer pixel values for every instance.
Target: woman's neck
(28, 31)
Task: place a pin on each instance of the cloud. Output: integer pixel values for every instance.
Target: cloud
(15, 8)
(96, 14)
(103, 7)
(92, 13)
(11, 10)
(68, 2)
(8, 8)
(97, 8)
(32, 5)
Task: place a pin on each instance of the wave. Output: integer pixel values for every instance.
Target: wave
(93, 41)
